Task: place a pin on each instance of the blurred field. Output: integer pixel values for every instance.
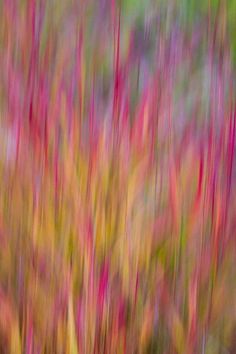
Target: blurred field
(117, 177)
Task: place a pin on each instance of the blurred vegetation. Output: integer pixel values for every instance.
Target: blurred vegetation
(189, 12)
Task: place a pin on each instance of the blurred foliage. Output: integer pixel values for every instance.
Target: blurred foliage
(189, 12)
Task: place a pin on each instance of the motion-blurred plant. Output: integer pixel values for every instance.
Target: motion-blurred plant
(117, 169)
